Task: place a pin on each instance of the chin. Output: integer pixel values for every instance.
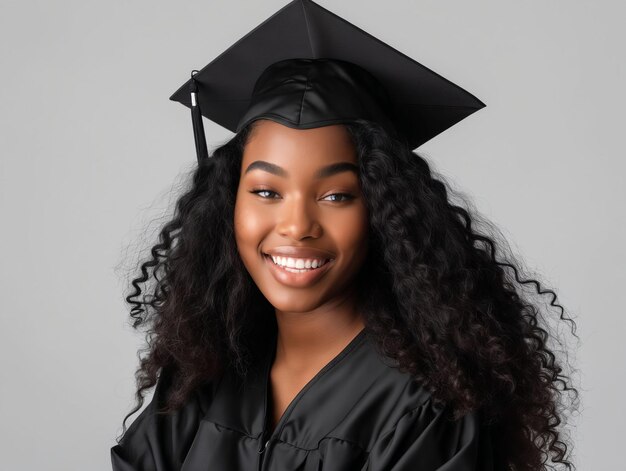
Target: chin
(294, 303)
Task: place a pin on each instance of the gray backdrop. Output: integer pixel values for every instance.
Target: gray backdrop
(91, 147)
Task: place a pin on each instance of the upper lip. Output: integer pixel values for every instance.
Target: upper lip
(299, 252)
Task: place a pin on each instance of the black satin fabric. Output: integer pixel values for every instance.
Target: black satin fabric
(247, 80)
(358, 413)
(309, 93)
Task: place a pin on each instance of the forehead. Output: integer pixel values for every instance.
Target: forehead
(298, 148)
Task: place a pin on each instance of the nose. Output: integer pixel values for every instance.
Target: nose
(298, 219)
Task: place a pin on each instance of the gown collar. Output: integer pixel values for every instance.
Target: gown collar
(244, 406)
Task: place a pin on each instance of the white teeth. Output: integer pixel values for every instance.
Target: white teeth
(298, 263)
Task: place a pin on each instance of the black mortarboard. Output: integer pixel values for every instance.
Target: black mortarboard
(306, 67)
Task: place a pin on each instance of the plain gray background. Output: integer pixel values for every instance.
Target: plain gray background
(91, 149)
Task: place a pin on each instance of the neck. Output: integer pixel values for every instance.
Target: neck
(304, 337)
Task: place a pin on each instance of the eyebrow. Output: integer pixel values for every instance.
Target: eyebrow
(323, 172)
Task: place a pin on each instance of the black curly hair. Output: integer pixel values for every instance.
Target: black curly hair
(434, 293)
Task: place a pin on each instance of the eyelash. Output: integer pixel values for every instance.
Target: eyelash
(347, 195)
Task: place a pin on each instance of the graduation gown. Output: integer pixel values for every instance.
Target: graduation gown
(358, 413)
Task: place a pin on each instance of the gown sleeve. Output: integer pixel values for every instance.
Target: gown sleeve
(425, 439)
(158, 442)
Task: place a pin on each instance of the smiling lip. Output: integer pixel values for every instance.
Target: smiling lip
(296, 280)
(298, 252)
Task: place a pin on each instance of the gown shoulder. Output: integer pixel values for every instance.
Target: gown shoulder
(158, 442)
(427, 437)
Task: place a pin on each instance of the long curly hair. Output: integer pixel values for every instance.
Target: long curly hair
(450, 304)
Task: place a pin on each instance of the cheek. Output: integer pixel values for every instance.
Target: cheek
(247, 224)
(349, 230)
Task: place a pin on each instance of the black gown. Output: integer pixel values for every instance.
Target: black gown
(357, 413)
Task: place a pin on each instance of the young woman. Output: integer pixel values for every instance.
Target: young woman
(317, 302)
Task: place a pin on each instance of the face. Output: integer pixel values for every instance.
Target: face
(299, 198)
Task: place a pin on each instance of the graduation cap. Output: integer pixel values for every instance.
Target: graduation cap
(307, 67)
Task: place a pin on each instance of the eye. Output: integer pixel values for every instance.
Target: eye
(257, 192)
(347, 197)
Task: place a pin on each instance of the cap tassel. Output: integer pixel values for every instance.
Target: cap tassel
(196, 118)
